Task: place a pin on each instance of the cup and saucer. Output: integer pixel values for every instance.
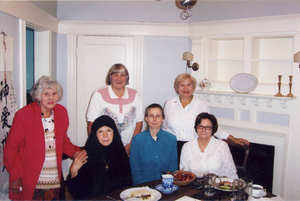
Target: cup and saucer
(167, 186)
(166, 191)
(258, 191)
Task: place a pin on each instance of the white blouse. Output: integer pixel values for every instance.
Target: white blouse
(180, 121)
(216, 158)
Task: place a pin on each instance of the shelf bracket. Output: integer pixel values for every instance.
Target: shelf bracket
(269, 102)
(255, 101)
(207, 97)
(283, 104)
(219, 98)
(230, 99)
(242, 100)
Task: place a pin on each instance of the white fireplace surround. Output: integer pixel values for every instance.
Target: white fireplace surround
(268, 133)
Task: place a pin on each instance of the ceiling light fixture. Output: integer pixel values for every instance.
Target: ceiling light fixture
(187, 4)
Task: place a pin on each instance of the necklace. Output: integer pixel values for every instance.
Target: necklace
(185, 103)
(106, 164)
(48, 125)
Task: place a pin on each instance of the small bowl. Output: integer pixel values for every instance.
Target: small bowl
(183, 178)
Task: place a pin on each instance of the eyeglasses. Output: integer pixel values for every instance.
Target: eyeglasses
(207, 128)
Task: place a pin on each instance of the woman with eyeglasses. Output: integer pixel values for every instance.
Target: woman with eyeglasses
(182, 110)
(153, 151)
(206, 153)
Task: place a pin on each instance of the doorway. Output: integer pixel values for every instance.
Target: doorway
(95, 55)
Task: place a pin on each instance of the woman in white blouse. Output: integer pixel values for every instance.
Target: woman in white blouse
(206, 153)
(181, 111)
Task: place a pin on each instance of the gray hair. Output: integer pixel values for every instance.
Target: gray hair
(116, 68)
(45, 82)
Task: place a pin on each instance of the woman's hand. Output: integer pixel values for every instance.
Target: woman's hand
(16, 186)
(239, 141)
(127, 148)
(78, 162)
(76, 154)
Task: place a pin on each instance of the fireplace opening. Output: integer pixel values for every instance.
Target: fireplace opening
(260, 164)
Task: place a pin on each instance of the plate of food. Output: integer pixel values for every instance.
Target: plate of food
(182, 178)
(224, 184)
(140, 193)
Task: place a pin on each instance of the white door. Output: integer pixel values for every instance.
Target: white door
(96, 54)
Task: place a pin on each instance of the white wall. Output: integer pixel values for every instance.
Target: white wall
(162, 63)
(10, 25)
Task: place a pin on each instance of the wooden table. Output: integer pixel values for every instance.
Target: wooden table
(188, 190)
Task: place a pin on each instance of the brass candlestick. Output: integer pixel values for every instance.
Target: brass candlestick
(290, 87)
(279, 86)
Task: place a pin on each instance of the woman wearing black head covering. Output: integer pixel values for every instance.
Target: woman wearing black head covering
(104, 166)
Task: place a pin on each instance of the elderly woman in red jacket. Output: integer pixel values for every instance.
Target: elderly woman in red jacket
(35, 144)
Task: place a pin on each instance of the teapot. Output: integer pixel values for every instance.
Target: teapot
(205, 84)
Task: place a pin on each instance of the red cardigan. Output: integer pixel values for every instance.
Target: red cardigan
(24, 151)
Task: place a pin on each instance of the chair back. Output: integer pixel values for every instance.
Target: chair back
(240, 157)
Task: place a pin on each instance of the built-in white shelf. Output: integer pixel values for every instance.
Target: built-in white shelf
(242, 97)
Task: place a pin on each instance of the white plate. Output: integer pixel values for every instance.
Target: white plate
(198, 173)
(243, 83)
(155, 195)
(262, 194)
(223, 179)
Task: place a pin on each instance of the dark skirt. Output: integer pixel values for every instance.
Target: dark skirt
(46, 194)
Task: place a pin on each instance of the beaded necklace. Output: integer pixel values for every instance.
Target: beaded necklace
(48, 124)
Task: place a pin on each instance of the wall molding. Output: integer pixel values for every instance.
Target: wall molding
(258, 25)
(123, 28)
(42, 20)
(31, 14)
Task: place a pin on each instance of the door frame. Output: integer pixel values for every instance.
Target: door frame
(136, 78)
(42, 56)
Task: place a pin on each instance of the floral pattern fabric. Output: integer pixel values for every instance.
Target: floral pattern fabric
(128, 119)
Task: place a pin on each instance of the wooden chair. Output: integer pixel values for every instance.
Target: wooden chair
(240, 157)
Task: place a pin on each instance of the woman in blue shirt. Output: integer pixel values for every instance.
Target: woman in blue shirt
(154, 150)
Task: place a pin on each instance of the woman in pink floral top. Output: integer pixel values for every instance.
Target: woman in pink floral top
(122, 104)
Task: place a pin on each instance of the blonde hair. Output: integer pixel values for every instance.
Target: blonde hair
(116, 68)
(182, 77)
(45, 82)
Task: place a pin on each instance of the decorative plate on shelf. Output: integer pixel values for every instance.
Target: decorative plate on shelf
(243, 83)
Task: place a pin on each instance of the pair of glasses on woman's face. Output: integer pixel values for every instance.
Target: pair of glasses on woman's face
(207, 128)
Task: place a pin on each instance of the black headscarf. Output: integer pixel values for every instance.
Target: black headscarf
(93, 178)
(95, 150)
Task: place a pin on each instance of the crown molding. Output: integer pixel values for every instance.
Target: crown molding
(258, 25)
(33, 15)
(123, 28)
